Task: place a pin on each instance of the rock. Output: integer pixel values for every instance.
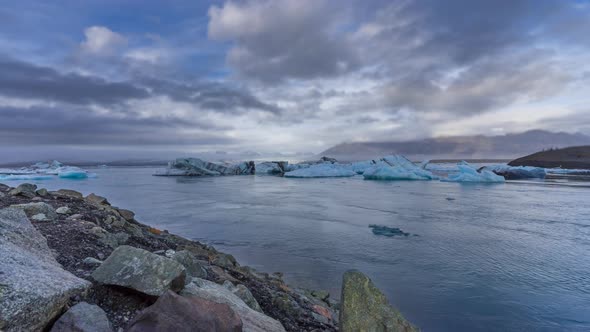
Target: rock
(42, 192)
(126, 214)
(140, 270)
(198, 251)
(2, 194)
(193, 266)
(63, 210)
(98, 200)
(322, 314)
(221, 274)
(169, 253)
(25, 189)
(34, 288)
(283, 302)
(320, 295)
(110, 239)
(32, 209)
(224, 260)
(83, 317)
(40, 217)
(91, 261)
(173, 312)
(243, 293)
(68, 193)
(365, 308)
(133, 229)
(76, 216)
(253, 320)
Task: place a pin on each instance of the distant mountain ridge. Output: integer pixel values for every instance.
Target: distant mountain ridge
(507, 146)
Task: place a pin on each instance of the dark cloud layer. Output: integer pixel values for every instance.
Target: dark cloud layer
(79, 126)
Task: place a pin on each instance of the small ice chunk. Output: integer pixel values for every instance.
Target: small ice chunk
(322, 171)
(387, 231)
(20, 177)
(71, 172)
(468, 173)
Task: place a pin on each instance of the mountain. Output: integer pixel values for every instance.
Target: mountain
(507, 146)
(575, 157)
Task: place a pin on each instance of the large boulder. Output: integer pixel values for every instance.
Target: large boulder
(253, 320)
(364, 308)
(25, 189)
(68, 193)
(34, 288)
(97, 200)
(83, 317)
(243, 293)
(141, 271)
(32, 209)
(173, 312)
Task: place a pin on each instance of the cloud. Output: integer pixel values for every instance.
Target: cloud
(69, 125)
(25, 80)
(278, 40)
(102, 41)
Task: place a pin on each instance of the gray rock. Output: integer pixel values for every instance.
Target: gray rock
(365, 308)
(133, 229)
(25, 189)
(98, 200)
(110, 239)
(320, 295)
(224, 260)
(68, 193)
(40, 217)
(33, 287)
(83, 317)
(42, 192)
(91, 261)
(193, 266)
(126, 214)
(32, 209)
(253, 320)
(243, 293)
(2, 194)
(140, 270)
(169, 253)
(63, 210)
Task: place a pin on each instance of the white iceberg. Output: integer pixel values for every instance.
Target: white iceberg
(325, 170)
(45, 171)
(397, 167)
(468, 173)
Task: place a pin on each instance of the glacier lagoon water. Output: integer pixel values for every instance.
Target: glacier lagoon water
(510, 257)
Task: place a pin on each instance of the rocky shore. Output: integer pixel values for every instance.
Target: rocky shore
(75, 263)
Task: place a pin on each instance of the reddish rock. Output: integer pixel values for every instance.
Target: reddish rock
(173, 312)
(322, 311)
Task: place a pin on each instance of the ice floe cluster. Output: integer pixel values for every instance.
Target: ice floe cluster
(388, 168)
(45, 171)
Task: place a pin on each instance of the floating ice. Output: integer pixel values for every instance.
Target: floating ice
(387, 231)
(322, 171)
(563, 171)
(361, 166)
(44, 171)
(468, 173)
(397, 167)
(20, 177)
(198, 167)
(517, 172)
(272, 167)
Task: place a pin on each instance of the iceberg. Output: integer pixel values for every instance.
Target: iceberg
(326, 170)
(21, 177)
(564, 171)
(397, 167)
(198, 167)
(45, 171)
(468, 173)
(517, 172)
(272, 167)
(387, 231)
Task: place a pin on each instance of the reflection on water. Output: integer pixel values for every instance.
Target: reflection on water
(510, 257)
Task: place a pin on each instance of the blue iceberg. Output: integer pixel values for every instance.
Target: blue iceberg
(468, 173)
(322, 171)
(397, 167)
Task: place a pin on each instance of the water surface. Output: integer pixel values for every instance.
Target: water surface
(510, 257)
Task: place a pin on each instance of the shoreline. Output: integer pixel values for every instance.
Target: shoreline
(84, 232)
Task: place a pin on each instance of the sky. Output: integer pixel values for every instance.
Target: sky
(157, 78)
